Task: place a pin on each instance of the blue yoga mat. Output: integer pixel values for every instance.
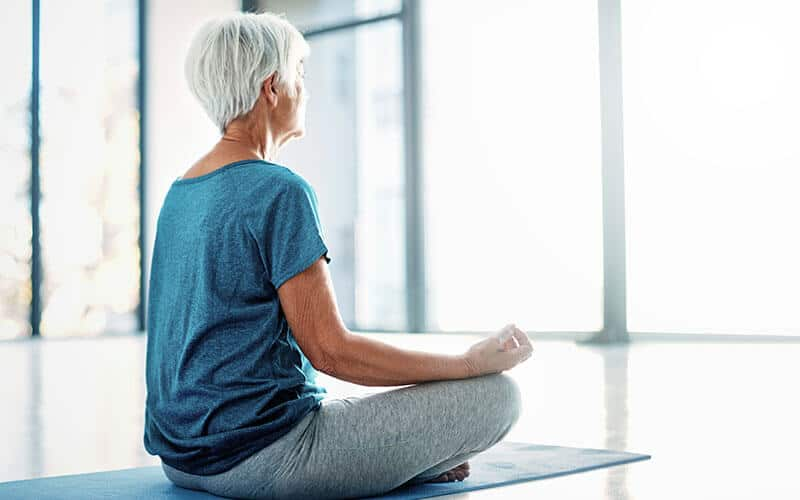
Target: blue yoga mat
(508, 463)
(502, 464)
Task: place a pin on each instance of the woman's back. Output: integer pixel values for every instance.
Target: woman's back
(224, 374)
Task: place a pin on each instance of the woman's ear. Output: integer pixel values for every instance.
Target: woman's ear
(270, 91)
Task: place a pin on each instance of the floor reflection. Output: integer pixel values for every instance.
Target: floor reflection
(34, 438)
(615, 375)
(720, 420)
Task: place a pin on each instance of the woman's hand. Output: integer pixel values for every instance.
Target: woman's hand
(501, 351)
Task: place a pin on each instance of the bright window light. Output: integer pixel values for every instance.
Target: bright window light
(712, 117)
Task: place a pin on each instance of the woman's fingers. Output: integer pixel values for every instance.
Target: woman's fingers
(511, 338)
(521, 338)
(505, 337)
(506, 332)
(510, 344)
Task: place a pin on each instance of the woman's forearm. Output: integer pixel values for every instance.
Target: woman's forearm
(361, 360)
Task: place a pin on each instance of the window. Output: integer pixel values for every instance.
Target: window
(353, 156)
(87, 165)
(712, 177)
(511, 148)
(313, 14)
(89, 168)
(15, 215)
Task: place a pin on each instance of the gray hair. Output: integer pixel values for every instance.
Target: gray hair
(231, 56)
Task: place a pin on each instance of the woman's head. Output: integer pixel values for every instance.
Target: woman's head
(250, 64)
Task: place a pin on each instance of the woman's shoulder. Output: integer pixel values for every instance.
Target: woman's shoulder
(274, 188)
(264, 177)
(280, 179)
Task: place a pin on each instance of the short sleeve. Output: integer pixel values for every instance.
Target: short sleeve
(294, 232)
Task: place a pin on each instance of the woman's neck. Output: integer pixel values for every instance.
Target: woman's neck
(250, 137)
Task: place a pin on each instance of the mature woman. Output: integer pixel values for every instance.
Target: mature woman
(242, 314)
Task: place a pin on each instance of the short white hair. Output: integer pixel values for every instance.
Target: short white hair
(230, 57)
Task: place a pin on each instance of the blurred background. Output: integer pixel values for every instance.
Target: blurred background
(454, 165)
(598, 172)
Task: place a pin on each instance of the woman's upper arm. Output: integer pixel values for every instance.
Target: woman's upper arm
(308, 301)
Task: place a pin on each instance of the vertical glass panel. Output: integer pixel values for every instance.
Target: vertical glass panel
(712, 177)
(89, 167)
(380, 219)
(511, 128)
(353, 155)
(15, 174)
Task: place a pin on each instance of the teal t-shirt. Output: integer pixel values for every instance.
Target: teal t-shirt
(225, 376)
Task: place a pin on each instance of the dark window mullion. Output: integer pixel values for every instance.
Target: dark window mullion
(36, 250)
(414, 215)
(141, 17)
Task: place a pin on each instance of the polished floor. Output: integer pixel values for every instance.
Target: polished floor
(722, 421)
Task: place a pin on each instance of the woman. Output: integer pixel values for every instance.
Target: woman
(242, 313)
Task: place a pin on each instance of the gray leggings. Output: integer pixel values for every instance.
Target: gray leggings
(367, 445)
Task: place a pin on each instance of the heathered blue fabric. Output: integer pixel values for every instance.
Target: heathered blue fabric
(225, 376)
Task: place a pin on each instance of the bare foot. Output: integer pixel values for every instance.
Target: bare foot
(457, 473)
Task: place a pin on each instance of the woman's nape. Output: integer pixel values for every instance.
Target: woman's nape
(275, 119)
